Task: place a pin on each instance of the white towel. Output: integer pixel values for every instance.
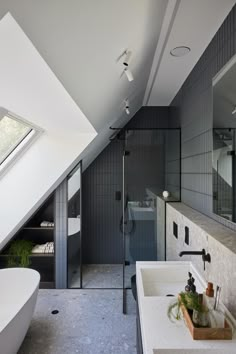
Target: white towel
(47, 224)
(45, 248)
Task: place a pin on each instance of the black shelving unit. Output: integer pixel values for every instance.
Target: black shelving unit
(44, 263)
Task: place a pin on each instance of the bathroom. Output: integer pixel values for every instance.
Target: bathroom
(101, 190)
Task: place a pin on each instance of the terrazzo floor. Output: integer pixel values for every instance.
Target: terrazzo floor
(104, 276)
(88, 322)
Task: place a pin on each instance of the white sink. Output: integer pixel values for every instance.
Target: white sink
(137, 212)
(168, 278)
(155, 280)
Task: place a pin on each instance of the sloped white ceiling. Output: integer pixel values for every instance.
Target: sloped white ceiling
(29, 88)
(81, 41)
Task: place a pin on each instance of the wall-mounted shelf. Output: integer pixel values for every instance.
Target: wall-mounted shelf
(44, 263)
(43, 228)
(33, 255)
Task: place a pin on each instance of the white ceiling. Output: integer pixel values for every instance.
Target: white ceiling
(81, 40)
(191, 23)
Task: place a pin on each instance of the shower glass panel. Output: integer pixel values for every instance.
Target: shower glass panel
(151, 164)
(74, 228)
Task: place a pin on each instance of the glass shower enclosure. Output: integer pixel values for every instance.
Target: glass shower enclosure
(151, 164)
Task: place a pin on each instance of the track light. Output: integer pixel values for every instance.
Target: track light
(234, 110)
(127, 58)
(128, 74)
(127, 107)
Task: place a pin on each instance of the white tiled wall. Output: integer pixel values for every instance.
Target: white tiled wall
(206, 233)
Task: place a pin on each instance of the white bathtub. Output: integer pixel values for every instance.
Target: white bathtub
(18, 294)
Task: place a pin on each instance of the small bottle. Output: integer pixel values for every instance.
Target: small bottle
(209, 298)
(210, 290)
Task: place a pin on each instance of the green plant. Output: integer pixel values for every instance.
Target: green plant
(19, 252)
(190, 300)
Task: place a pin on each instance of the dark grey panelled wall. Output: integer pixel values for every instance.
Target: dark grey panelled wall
(194, 108)
(102, 239)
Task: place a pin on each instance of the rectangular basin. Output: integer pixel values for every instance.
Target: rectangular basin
(168, 279)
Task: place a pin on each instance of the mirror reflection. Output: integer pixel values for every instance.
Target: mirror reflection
(224, 130)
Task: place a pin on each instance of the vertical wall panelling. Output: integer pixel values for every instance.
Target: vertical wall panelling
(61, 235)
(102, 239)
(193, 106)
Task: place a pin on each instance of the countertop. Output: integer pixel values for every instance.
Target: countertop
(160, 335)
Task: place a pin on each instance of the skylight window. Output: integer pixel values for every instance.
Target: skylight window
(15, 135)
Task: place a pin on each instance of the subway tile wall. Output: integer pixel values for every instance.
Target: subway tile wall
(102, 239)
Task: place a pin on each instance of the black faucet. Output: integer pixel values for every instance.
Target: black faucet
(205, 256)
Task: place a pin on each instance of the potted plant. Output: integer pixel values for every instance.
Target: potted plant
(19, 252)
(194, 304)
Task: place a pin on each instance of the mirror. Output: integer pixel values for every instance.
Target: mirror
(224, 130)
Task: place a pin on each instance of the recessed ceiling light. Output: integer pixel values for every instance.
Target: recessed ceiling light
(180, 51)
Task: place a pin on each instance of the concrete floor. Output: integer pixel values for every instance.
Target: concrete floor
(104, 276)
(88, 322)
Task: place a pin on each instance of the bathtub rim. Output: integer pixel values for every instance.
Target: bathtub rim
(30, 294)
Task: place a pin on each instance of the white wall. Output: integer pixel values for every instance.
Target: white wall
(30, 89)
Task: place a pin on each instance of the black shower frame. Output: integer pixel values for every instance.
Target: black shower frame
(114, 137)
(117, 136)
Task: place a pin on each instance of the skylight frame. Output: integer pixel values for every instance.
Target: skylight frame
(22, 144)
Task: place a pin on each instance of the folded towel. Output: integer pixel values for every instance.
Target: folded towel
(45, 248)
(47, 224)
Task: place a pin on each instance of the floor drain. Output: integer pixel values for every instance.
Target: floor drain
(54, 312)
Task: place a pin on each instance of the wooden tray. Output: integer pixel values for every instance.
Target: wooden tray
(207, 333)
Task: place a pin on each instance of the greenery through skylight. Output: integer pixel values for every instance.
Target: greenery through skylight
(12, 133)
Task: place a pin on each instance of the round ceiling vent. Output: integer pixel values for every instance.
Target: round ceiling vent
(180, 51)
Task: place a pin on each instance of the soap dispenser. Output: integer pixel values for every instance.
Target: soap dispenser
(189, 283)
(190, 287)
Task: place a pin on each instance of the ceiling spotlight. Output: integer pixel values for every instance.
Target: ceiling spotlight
(180, 51)
(127, 57)
(234, 110)
(128, 74)
(127, 107)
